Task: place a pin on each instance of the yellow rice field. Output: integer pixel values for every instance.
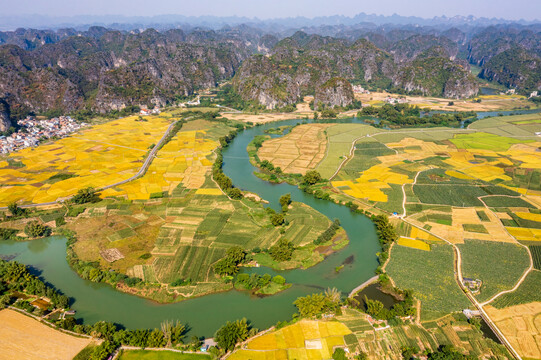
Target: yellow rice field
(371, 182)
(98, 156)
(413, 243)
(209, 192)
(304, 340)
(525, 234)
(529, 216)
(183, 160)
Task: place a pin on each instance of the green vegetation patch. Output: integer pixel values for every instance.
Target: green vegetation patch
(484, 141)
(430, 275)
(536, 255)
(364, 157)
(477, 228)
(461, 195)
(505, 201)
(499, 265)
(482, 215)
(160, 355)
(527, 292)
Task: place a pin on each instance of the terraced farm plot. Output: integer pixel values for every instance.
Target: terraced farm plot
(521, 325)
(430, 275)
(99, 156)
(22, 337)
(299, 151)
(499, 265)
(303, 340)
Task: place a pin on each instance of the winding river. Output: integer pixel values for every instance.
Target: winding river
(204, 315)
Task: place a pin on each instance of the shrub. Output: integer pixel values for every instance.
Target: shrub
(35, 229)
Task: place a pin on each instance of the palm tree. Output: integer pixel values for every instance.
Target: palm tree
(333, 295)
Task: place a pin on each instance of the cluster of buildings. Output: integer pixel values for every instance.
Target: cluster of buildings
(32, 131)
(392, 100)
(358, 89)
(195, 102)
(146, 112)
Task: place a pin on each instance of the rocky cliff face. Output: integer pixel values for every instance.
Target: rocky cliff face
(5, 118)
(335, 92)
(301, 64)
(514, 68)
(436, 76)
(304, 65)
(111, 70)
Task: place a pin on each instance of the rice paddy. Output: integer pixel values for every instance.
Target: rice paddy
(99, 156)
(413, 243)
(185, 160)
(303, 340)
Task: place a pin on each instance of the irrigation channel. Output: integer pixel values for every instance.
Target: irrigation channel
(204, 315)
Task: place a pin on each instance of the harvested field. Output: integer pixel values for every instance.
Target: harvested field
(299, 151)
(22, 337)
(521, 325)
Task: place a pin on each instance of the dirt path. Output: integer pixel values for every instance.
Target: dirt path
(404, 200)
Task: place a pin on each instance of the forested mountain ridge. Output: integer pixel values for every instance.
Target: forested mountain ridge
(300, 64)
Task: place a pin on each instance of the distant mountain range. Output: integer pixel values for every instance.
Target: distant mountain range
(162, 22)
(100, 69)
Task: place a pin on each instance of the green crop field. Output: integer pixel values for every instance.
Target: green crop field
(499, 265)
(365, 156)
(483, 215)
(484, 141)
(536, 255)
(527, 292)
(504, 201)
(460, 195)
(477, 228)
(160, 355)
(430, 275)
(340, 139)
(510, 126)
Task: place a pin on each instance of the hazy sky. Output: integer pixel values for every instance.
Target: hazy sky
(508, 9)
